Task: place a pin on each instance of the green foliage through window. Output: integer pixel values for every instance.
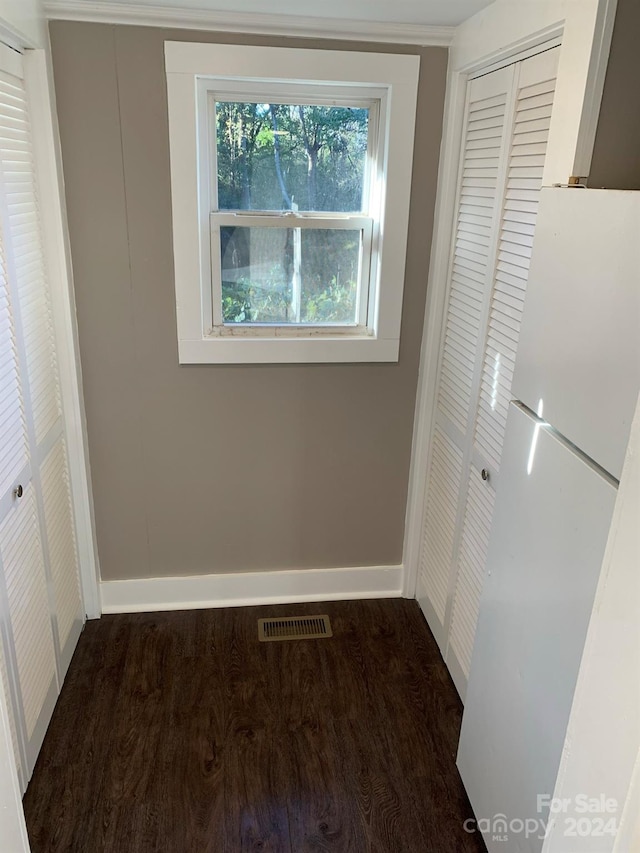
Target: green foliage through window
(263, 267)
(290, 157)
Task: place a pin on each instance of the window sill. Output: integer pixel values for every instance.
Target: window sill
(277, 350)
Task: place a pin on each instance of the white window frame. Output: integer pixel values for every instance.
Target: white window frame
(388, 84)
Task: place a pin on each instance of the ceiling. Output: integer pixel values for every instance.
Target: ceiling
(421, 12)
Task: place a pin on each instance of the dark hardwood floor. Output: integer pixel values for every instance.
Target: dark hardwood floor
(180, 733)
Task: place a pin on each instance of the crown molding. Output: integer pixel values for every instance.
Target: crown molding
(244, 22)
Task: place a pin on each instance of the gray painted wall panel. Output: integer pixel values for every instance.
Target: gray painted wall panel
(216, 468)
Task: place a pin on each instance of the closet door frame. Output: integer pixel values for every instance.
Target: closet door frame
(38, 75)
(583, 67)
(50, 443)
(38, 78)
(435, 315)
(28, 478)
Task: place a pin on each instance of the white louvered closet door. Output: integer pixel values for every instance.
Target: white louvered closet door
(505, 136)
(40, 598)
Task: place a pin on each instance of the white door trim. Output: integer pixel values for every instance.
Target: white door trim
(38, 80)
(470, 58)
(595, 86)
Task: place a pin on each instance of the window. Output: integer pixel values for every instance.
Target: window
(290, 232)
(291, 173)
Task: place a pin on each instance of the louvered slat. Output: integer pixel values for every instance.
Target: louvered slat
(469, 278)
(525, 165)
(39, 580)
(472, 556)
(500, 177)
(440, 520)
(524, 178)
(63, 560)
(26, 584)
(471, 255)
(19, 187)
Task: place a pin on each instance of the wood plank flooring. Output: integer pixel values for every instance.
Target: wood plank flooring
(181, 733)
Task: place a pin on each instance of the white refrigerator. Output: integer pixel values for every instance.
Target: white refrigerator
(575, 388)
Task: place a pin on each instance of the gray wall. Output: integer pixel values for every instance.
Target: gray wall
(616, 156)
(212, 468)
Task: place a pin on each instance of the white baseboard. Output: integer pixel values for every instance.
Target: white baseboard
(249, 588)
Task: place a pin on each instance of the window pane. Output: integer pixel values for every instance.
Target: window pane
(289, 275)
(290, 156)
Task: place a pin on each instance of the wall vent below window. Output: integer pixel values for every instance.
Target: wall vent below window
(294, 628)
